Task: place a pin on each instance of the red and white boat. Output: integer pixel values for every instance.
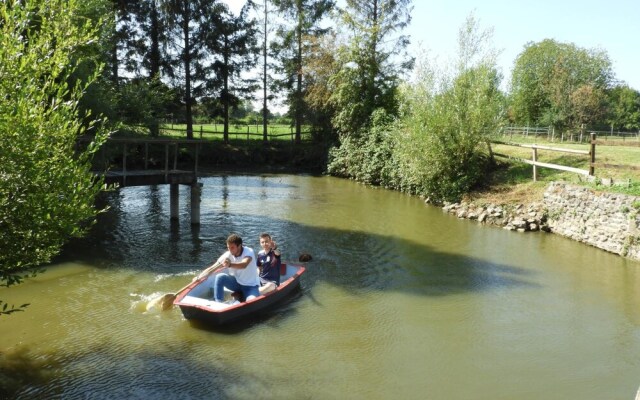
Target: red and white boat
(196, 300)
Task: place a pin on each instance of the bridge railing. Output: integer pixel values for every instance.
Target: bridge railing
(124, 155)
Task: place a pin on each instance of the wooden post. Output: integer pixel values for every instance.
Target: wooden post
(195, 166)
(175, 157)
(592, 153)
(196, 190)
(174, 196)
(200, 131)
(146, 155)
(535, 168)
(124, 165)
(166, 162)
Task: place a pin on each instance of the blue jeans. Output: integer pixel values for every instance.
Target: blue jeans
(227, 281)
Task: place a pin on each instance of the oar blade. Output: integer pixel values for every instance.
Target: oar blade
(164, 302)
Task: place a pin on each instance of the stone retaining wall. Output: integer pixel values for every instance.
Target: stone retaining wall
(608, 221)
(518, 217)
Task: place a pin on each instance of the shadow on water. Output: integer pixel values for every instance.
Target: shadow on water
(355, 261)
(100, 373)
(137, 234)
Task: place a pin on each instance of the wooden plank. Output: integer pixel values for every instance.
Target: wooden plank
(535, 146)
(546, 165)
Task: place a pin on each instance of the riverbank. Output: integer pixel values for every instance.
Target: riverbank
(609, 221)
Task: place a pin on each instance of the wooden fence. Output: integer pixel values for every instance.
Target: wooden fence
(248, 132)
(580, 136)
(535, 163)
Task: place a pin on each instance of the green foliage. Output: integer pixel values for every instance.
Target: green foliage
(371, 62)
(294, 48)
(46, 187)
(366, 158)
(146, 102)
(448, 120)
(624, 108)
(559, 84)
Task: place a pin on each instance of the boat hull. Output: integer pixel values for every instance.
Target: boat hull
(218, 314)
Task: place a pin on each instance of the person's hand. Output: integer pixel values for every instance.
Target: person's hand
(226, 262)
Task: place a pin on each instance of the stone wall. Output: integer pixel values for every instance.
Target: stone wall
(608, 221)
(513, 217)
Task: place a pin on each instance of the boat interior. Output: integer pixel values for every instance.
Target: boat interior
(202, 294)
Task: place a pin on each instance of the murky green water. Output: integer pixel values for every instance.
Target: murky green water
(400, 301)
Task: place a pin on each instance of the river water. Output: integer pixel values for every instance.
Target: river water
(400, 301)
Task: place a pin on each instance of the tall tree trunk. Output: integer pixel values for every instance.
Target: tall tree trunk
(187, 72)
(264, 78)
(298, 101)
(225, 90)
(154, 54)
(114, 49)
(154, 64)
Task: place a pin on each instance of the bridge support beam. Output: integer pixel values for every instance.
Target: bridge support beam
(196, 192)
(174, 196)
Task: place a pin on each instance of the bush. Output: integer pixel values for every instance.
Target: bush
(47, 190)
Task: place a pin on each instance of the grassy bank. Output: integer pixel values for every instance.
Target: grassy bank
(512, 182)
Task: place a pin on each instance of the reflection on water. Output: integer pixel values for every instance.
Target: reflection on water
(400, 301)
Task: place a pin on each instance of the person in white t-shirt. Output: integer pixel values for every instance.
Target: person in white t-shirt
(243, 271)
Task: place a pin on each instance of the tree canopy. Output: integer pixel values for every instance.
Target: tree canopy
(559, 84)
(47, 190)
(372, 60)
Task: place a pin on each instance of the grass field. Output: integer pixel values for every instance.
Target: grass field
(236, 131)
(515, 179)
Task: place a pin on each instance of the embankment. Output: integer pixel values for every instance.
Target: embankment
(608, 221)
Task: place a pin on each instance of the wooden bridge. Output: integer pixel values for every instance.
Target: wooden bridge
(139, 163)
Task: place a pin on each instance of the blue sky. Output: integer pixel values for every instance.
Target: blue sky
(611, 25)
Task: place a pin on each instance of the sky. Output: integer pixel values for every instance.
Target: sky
(610, 25)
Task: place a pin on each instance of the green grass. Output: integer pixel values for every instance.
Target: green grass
(626, 157)
(236, 131)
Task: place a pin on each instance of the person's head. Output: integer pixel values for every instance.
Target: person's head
(234, 244)
(265, 241)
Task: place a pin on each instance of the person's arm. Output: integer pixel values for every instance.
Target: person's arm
(274, 248)
(242, 264)
(215, 266)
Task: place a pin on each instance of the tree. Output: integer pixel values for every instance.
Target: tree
(373, 60)
(321, 66)
(186, 30)
(46, 187)
(447, 120)
(550, 81)
(294, 48)
(623, 111)
(234, 45)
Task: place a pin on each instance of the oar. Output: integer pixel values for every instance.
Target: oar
(165, 302)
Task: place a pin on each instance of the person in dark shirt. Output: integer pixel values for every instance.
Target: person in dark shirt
(269, 262)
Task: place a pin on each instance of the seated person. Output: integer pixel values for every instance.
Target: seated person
(243, 272)
(268, 264)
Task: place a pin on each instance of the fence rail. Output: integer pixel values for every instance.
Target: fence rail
(250, 132)
(580, 136)
(535, 163)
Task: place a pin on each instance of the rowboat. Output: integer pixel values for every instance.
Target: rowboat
(196, 300)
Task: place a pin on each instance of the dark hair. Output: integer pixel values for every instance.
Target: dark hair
(264, 235)
(235, 239)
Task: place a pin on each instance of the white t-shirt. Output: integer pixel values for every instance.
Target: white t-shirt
(247, 276)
